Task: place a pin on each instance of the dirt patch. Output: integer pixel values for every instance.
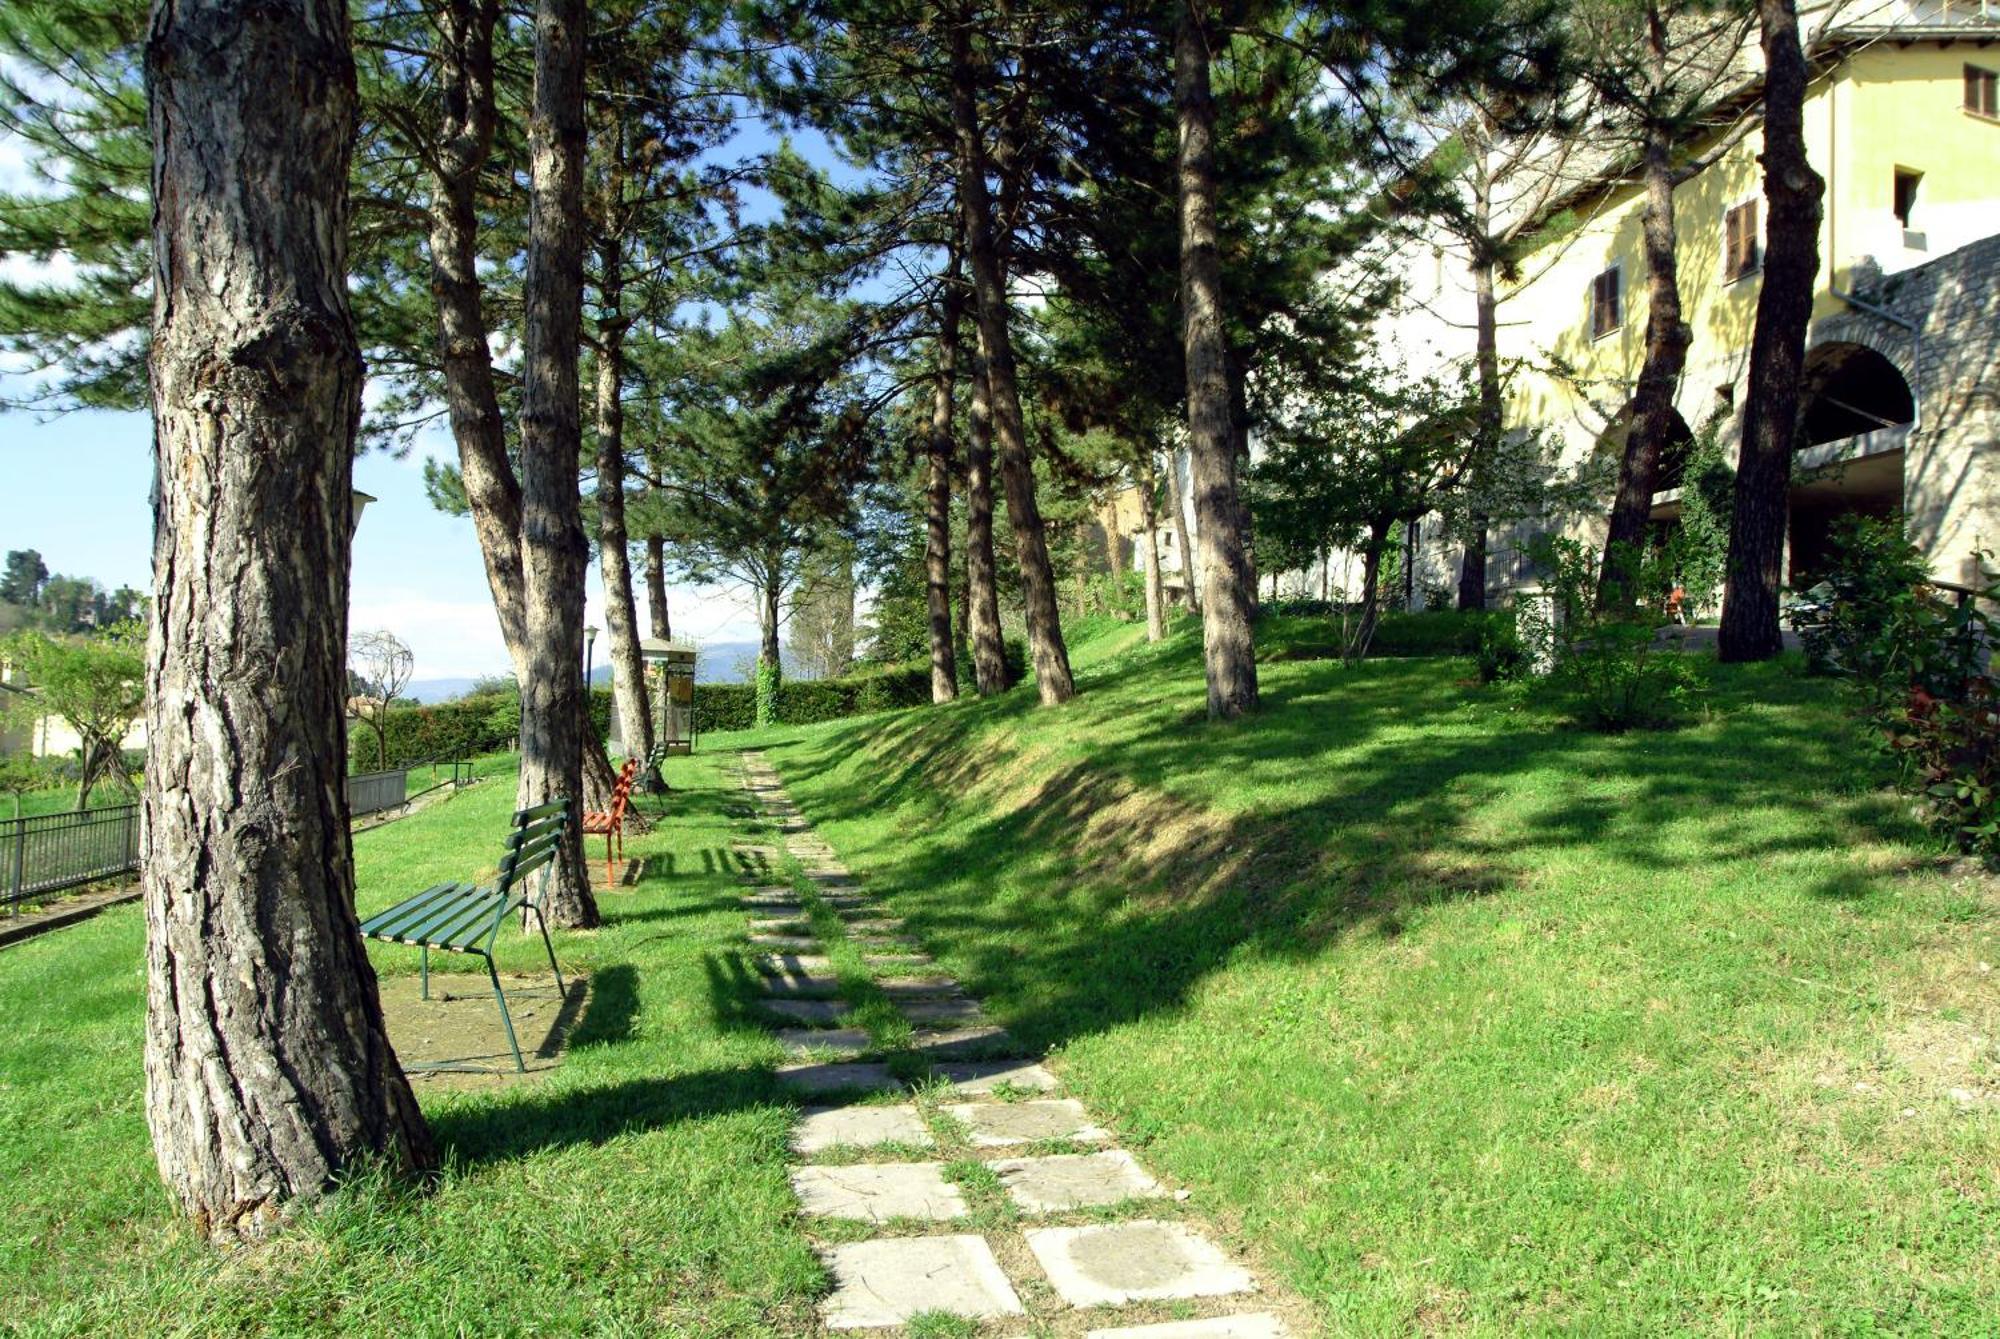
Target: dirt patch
(459, 1026)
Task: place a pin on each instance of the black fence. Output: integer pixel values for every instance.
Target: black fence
(372, 792)
(47, 853)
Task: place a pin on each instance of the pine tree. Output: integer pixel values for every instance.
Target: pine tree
(268, 1073)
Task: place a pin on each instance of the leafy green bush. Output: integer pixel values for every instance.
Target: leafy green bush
(1501, 656)
(1439, 632)
(810, 701)
(1920, 662)
(1611, 673)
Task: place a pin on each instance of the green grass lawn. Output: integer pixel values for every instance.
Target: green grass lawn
(640, 1187)
(1466, 1019)
(1458, 1019)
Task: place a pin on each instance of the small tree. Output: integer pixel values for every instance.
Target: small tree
(21, 773)
(382, 664)
(96, 686)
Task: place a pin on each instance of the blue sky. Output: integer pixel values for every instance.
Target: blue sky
(77, 488)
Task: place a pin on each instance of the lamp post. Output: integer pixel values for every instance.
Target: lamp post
(589, 652)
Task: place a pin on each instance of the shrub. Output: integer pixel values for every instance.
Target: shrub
(1501, 656)
(1919, 662)
(1440, 632)
(1610, 672)
(810, 701)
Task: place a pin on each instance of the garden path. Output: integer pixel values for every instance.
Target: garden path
(950, 1186)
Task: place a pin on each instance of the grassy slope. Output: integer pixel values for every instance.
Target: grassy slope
(1464, 1018)
(640, 1186)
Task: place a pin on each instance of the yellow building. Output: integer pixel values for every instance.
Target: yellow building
(1903, 400)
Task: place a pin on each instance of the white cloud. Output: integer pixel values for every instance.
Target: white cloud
(451, 639)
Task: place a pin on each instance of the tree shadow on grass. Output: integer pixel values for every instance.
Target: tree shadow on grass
(528, 1122)
(1130, 878)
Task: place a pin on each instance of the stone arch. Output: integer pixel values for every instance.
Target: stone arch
(1673, 457)
(1851, 387)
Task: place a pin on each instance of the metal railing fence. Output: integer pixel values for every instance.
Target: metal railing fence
(47, 853)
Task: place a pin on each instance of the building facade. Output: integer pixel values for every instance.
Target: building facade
(1902, 405)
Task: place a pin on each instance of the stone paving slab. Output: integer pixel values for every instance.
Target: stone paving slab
(1261, 1325)
(1111, 1264)
(820, 1077)
(798, 924)
(795, 965)
(841, 1040)
(785, 943)
(986, 1076)
(879, 1191)
(969, 1043)
(802, 986)
(881, 1283)
(957, 1011)
(1075, 1180)
(919, 987)
(807, 1011)
(859, 1127)
(1002, 1124)
(899, 962)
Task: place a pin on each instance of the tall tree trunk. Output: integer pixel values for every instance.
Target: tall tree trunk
(1038, 587)
(269, 1074)
(614, 552)
(1149, 552)
(554, 708)
(1667, 339)
(464, 64)
(937, 497)
(1177, 484)
(1229, 595)
(1114, 549)
(1749, 628)
(769, 651)
(1486, 360)
(982, 585)
(656, 588)
(1371, 596)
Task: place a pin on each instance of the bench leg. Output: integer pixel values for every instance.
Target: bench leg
(561, 989)
(427, 971)
(500, 997)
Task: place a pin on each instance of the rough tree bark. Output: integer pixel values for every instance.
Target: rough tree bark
(1486, 361)
(614, 552)
(268, 1071)
(1667, 340)
(1228, 595)
(656, 588)
(553, 706)
(1149, 552)
(982, 587)
(1792, 191)
(1182, 497)
(463, 59)
(1038, 586)
(937, 496)
(770, 652)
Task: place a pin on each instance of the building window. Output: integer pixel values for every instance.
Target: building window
(1607, 303)
(1742, 249)
(1907, 181)
(1982, 91)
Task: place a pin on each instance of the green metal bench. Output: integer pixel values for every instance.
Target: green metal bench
(462, 918)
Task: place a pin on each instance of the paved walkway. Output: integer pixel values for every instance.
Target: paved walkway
(942, 1172)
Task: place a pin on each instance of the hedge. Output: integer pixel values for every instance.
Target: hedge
(1443, 632)
(733, 706)
(492, 721)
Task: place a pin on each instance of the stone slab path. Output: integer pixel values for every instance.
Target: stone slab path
(940, 1171)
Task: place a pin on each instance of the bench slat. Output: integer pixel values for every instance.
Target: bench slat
(392, 923)
(452, 922)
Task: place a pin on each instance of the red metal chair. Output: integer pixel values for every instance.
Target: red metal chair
(612, 822)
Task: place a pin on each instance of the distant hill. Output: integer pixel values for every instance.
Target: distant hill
(717, 662)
